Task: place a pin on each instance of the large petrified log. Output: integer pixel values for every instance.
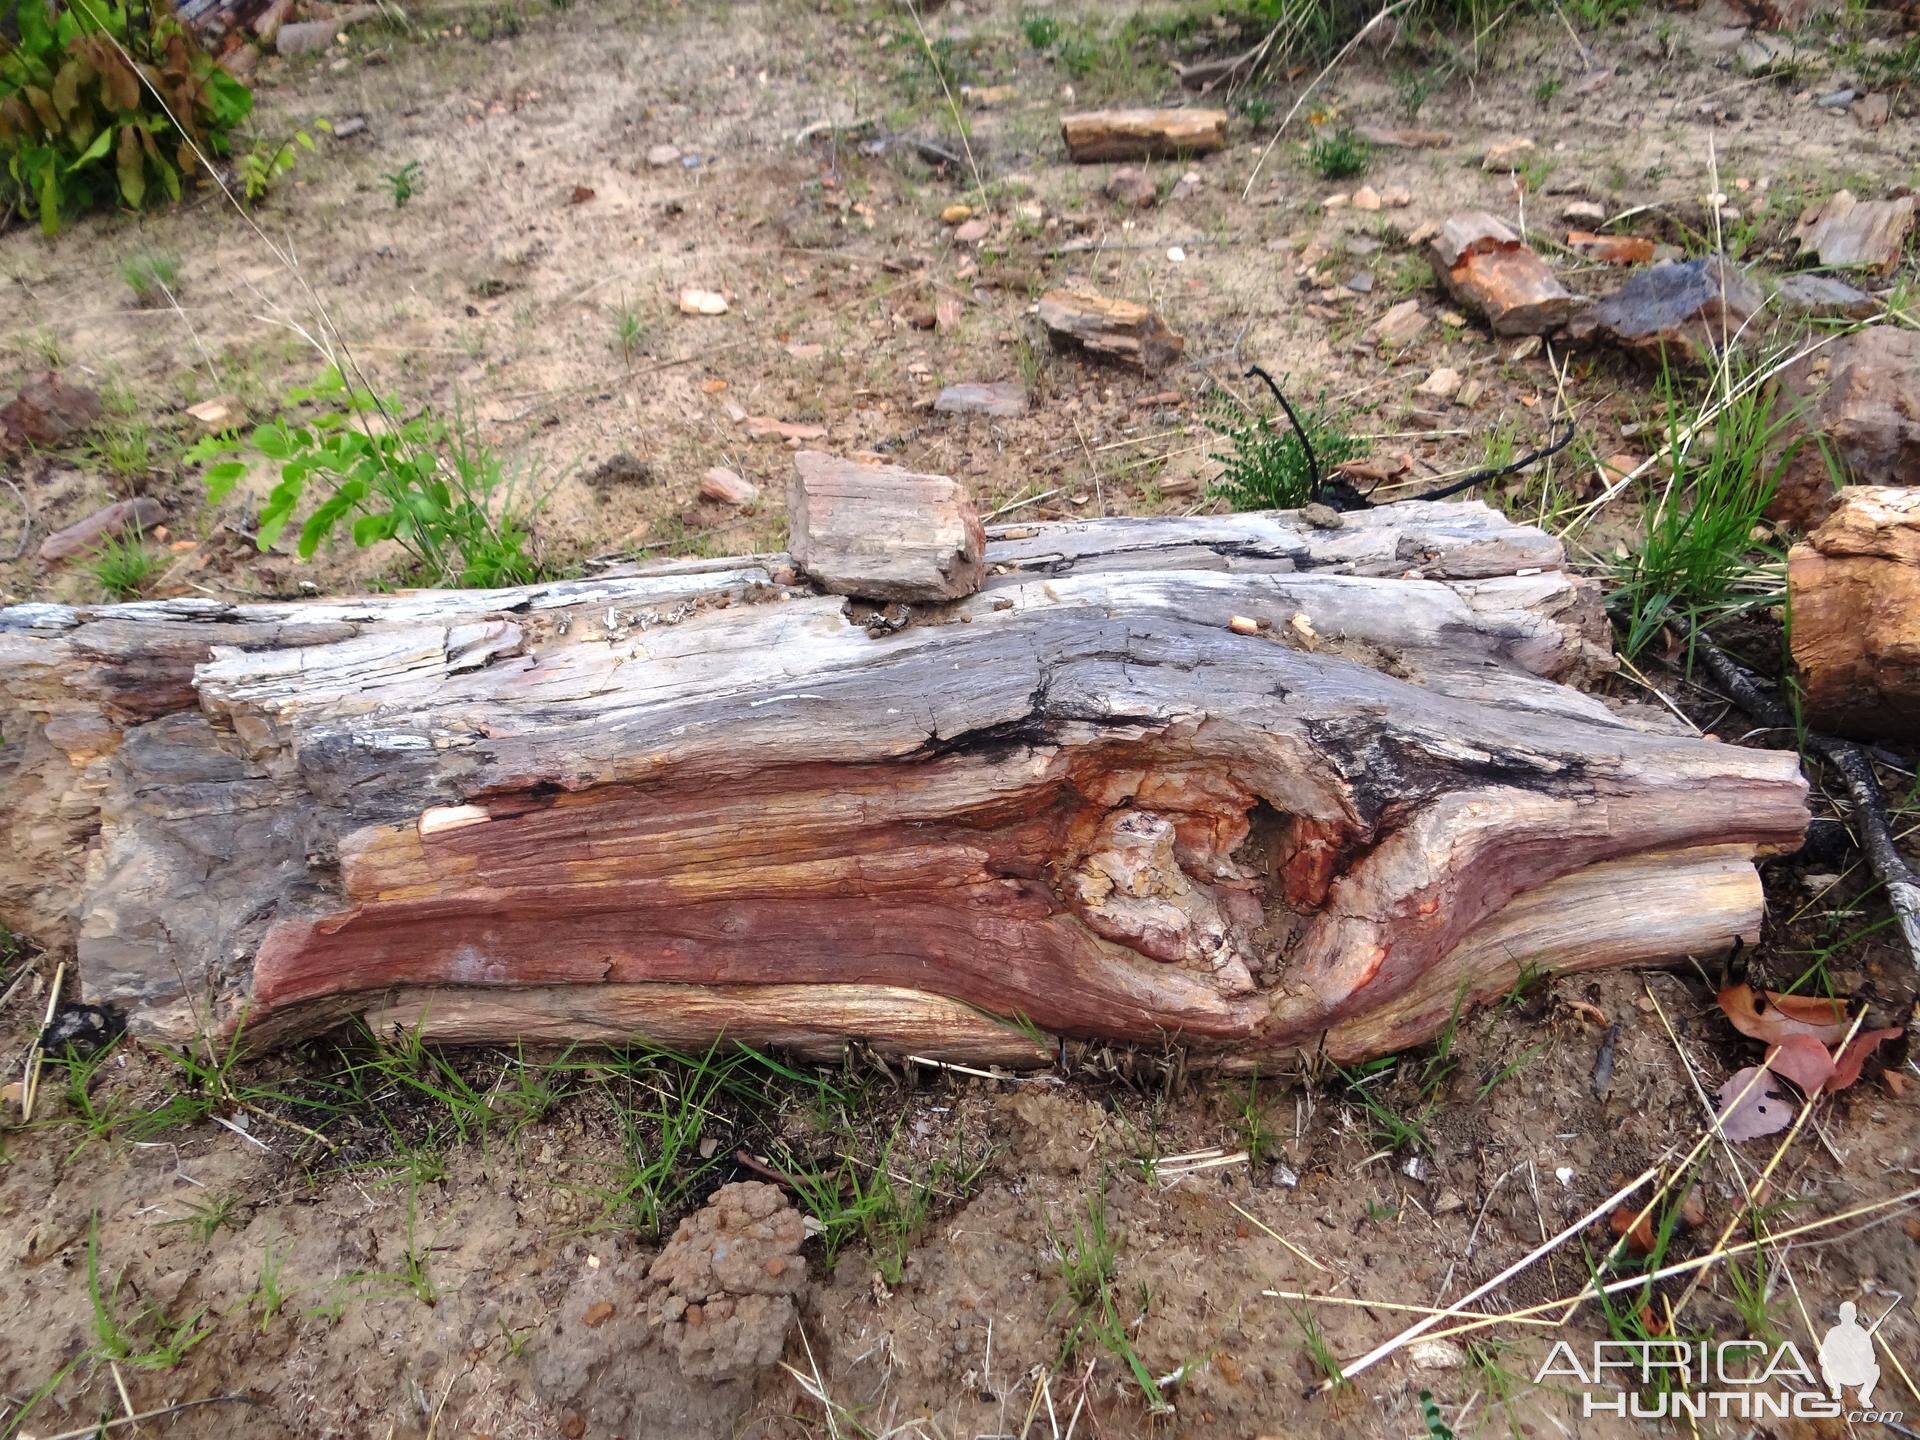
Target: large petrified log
(1239, 783)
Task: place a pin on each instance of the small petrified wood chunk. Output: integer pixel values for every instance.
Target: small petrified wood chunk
(1142, 134)
(1487, 266)
(1849, 233)
(881, 532)
(1117, 329)
(1854, 585)
(137, 515)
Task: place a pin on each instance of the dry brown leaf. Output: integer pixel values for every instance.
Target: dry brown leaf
(1773, 1017)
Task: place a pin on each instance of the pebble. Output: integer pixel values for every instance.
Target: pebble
(662, 155)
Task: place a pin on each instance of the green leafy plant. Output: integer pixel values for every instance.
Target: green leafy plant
(103, 101)
(152, 1339)
(406, 182)
(427, 485)
(1338, 154)
(1041, 30)
(124, 564)
(262, 164)
(1263, 466)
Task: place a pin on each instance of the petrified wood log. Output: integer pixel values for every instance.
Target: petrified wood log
(1240, 783)
(1142, 134)
(1854, 586)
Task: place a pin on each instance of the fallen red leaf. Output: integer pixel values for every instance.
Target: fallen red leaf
(1846, 1067)
(1773, 1017)
(1803, 1060)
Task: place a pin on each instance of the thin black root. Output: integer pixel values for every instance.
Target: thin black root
(1338, 493)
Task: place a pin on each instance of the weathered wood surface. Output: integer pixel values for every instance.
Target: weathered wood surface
(1117, 329)
(882, 532)
(1142, 134)
(1854, 587)
(706, 799)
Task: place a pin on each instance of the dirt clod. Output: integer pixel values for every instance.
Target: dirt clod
(727, 1280)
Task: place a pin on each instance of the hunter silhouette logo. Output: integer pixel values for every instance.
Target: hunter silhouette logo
(1846, 1356)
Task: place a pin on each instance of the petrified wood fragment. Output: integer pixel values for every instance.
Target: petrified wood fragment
(1240, 783)
(1142, 134)
(1117, 329)
(1488, 267)
(1854, 585)
(881, 532)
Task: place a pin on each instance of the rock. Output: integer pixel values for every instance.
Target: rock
(620, 469)
(1403, 139)
(694, 301)
(1688, 307)
(1823, 297)
(1117, 329)
(1836, 99)
(974, 231)
(1399, 326)
(1610, 249)
(1003, 398)
(1440, 385)
(728, 487)
(1873, 110)
(986, 97)
(221, 413)
(1130, 185)
(1395, 197)
(954, 214)
(597, 1314)
(1436, 1355)
(882, 533)
(1583, 212)
(763, 427)
(305, 37)
(48, 412)
(724, 1285)
(1862, 392)
(1486, 266)
(1846, 233)
(138, 515)
(662, 155)
(1776, 14)
(1854, 588)
(1507, 154)
(1365, 198)
(1360, 282)
(1142, 134)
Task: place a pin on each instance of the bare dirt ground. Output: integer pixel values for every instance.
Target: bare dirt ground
(413, 1273)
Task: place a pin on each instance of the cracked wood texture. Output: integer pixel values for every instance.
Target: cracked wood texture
(703, 798)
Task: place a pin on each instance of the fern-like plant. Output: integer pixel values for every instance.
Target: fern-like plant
(1262, 463)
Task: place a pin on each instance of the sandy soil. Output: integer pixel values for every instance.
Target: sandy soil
(492, 292)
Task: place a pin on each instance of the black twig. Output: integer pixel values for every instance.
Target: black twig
(1871, 824)
(1351, 499)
